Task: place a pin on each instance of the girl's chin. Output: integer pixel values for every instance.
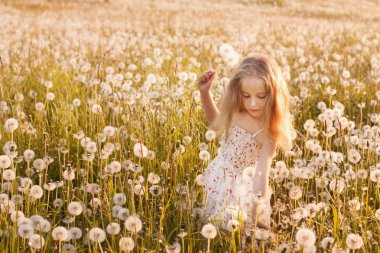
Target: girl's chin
(256, 115)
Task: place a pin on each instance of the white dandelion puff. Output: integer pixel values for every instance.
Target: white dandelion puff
(155, 190)
(140, 150)
(96, 235)
(76, 233)
(173, 248)
(96, 109)
(11, 125)
(75, 208)
(375, 175)
(5, 161)
(133, 224)
(126, 244)
(25, 231)
(39, 164)
(204, 155)
(353, 156)
(68, 174)
(60, 233)
(122, 213)
(233, 225)
(29, 155)
(337, 185)
(327, 242)
(209, 231)
(91, 147)
(305, 237)
(16, 216)
(354, 241)
(210, 135)
(139, 189)
(36, 192)
(114, 167)
(76, 102)
(50, 96)
(113, 228)
(153, 178)
(9, 175)
(119, 199)
(95, 203)
(36, 241)
(295, 192)
(186, 140)
(109, 131)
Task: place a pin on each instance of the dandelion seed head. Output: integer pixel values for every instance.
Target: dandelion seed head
(327, 242)
(60, 233)
(96, 235)
(9, 175)
(126, 244)
(17, 216)
(305, 237)
(173, 248)
(29, 155)
(25, 231)
(153, 178)
(119, 199)
(204, 155)
(75, 208)
(68, 174)
(140, 150)
(5, 161)
(113, 228)
(354, 241)
(233, 225)
(209, 231)
(155, 190)
(210, 135)
(36, 241)
(11, 125)
(76, 233)
(36, 192)
(139, 189)
(122, 214)
(133, 224)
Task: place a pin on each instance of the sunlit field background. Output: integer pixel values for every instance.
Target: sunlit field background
(104, 139)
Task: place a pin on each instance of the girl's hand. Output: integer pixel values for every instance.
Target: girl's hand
(262, 225)
(258, 223)
(205, 81)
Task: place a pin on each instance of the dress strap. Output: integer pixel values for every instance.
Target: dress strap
(259, 131)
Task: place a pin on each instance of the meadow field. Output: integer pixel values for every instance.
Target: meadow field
(104, 141)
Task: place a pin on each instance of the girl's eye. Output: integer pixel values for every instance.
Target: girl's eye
(262, 97)
(246, 96)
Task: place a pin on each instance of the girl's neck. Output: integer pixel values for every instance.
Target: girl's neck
(245, 116)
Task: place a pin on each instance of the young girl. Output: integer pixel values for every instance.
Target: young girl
(254, 119)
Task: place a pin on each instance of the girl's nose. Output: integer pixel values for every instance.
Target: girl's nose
(253, 102)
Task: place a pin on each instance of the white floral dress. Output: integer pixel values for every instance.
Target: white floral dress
(228, 182)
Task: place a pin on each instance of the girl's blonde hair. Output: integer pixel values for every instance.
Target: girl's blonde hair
(278, 122)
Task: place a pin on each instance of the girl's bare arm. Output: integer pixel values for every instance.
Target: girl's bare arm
(205, 83)
(261, 178)
(209, 106)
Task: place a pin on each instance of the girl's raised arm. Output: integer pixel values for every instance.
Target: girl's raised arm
(205, 82)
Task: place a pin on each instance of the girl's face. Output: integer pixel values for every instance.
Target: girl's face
(253, 95)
